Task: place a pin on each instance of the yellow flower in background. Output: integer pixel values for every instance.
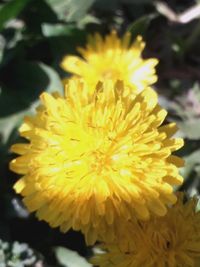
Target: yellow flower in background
(113, 58)
(169, 241)
(95, 160)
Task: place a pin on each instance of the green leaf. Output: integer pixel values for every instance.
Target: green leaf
(29, 81)
(107, 6)
(69, 258)
(197, 168)
(191, 162)
(2, 47)
(138, 2)
(140, 26)
(11, 10)
(198, 206)
(190, 128)
(38, 77)
(64, 44)
(88, 19)
(70, 10)
(9, 124)
(54, 30)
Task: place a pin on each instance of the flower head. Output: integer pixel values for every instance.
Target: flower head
(95, 160)
(113, 58)
(169, 241)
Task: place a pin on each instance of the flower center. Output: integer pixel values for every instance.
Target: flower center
(100, 161)
(162, 240)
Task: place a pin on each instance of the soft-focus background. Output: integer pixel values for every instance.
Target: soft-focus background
(34, 37)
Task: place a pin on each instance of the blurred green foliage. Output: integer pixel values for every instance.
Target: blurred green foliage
(17, 255)
(34, 37)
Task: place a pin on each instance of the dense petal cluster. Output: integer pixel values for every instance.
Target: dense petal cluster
(93, 160)
(113, 58)
(169, 241)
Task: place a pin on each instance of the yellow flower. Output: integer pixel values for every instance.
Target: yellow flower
(113, 58)
(94, 160)
(169, 241)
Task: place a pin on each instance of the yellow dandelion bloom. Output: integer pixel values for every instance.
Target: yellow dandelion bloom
(113, 58)
(94, 160)
(169, 241)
